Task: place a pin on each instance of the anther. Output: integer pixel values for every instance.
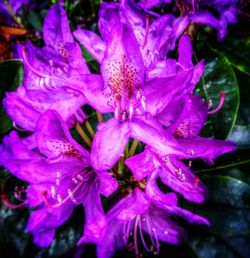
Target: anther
(10, 205)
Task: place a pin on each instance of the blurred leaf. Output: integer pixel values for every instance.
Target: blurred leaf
(220, 77)
(11, 74)
(35, 20)
(241, 136)
(227, 190)
(87, 56)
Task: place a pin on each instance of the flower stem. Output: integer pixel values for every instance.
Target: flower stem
(99, 117)
(133, 148)
(120, 166)
(15, 18)
(89, 128)
(83, 134)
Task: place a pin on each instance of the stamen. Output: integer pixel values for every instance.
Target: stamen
(142, 237)
(147, 29)
(135, 236)
(10, 205)
(221, 102)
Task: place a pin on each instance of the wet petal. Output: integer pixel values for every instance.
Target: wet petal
(92, 42)
(108, 144)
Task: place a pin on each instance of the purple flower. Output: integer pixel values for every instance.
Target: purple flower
(199, 12)
(60, 176)
(47, 71)
(143, 213)
(154, 35)
(122, 89)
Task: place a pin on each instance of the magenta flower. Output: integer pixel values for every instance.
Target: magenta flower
(142, 213)
(124, 91)
(60, 176)
(46, 83)
(199, 12)
(154, 36)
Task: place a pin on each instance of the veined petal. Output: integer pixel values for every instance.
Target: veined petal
(112, 241)
(160, 91)
(92, 42)
(192, 119)
(158, 140)
(22, 112)
(107, 184)
(141, 164)
(109, 143)
(95, 219)
(154, 193)
(93, 90)
(56, 28)
(108, 18)
(185, 52)
(122, 67)
(177, 176)
(204, 148)
(166, 229)
(54, 139)
(127, 208)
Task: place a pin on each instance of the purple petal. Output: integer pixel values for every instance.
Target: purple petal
(133, 204)
(107, 184)
(112, 241)
(141, 164)
(108, 144)
(122, 60)
(185, 52)
(206, 148)
(92, 42)
(54, 139)
(166, 229)
(56, 28)
(93, 90)
(155, 195)
(159, 92)
(44, 238)
(192, 119)
(182, 180)
(95, 219)
(160, 141)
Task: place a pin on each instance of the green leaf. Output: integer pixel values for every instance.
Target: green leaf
(219, 77)
(227, 190)
(35, 20)
(87, 56)
(241, 136)
(11, 74)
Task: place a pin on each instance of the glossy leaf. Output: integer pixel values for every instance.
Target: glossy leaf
(219, 77)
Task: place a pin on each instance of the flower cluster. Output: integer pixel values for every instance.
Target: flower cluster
(152, 127)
